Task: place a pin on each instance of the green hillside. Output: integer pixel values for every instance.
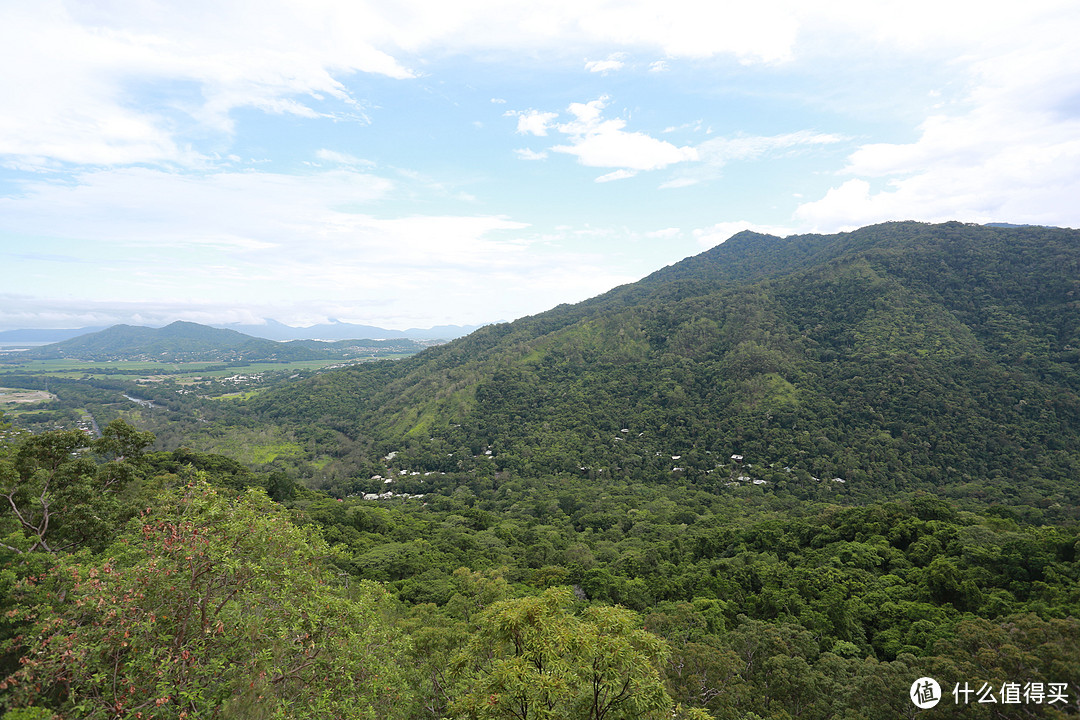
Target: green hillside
(897, 356)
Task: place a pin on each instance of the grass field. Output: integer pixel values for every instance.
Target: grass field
(16, 401)
(71, 365)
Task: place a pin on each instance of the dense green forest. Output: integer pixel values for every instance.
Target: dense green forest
(782, 479)
(166, 583)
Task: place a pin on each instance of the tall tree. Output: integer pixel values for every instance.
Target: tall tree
(534, 659)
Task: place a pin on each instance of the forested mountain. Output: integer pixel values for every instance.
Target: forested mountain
(187, 342)
(897, 356)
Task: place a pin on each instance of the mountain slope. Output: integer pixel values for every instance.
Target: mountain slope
(898, 355)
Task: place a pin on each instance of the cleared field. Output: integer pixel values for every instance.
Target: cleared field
(15, 396)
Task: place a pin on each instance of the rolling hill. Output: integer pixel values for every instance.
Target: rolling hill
(188, 342)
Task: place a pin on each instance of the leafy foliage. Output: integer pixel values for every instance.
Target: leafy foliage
(209, 607)
(533, 659)
(57, 497)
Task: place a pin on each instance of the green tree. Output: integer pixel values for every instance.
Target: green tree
(210, 606)
(61, 490)
(45, 478)
(533, 658)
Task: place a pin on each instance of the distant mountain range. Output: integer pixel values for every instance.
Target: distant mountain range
(269, 330)
(191, 342)
(337, 330)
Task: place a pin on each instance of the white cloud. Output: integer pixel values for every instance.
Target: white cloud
(58, 99)
(533, 122)
(25, 311)
(273, 245)
(608, 145)
(603, 143)
(72, 69)
(758, 32)
(695, 126)
(68, 93)
(957, 27)
(145, 207)
(666, 233)
(686, 180)
(600, 142)
(612, 63)
(587, 114)
(722, 150)
(1007, 151)
(527, 154)
(71, 89)
(339, 158)
(718, 152)
(616, 175)
(753, 32)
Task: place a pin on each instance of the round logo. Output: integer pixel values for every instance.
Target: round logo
(925, 693)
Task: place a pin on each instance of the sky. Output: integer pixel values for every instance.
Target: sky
(416, 163)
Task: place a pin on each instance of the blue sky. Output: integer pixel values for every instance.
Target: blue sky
(417, 163)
